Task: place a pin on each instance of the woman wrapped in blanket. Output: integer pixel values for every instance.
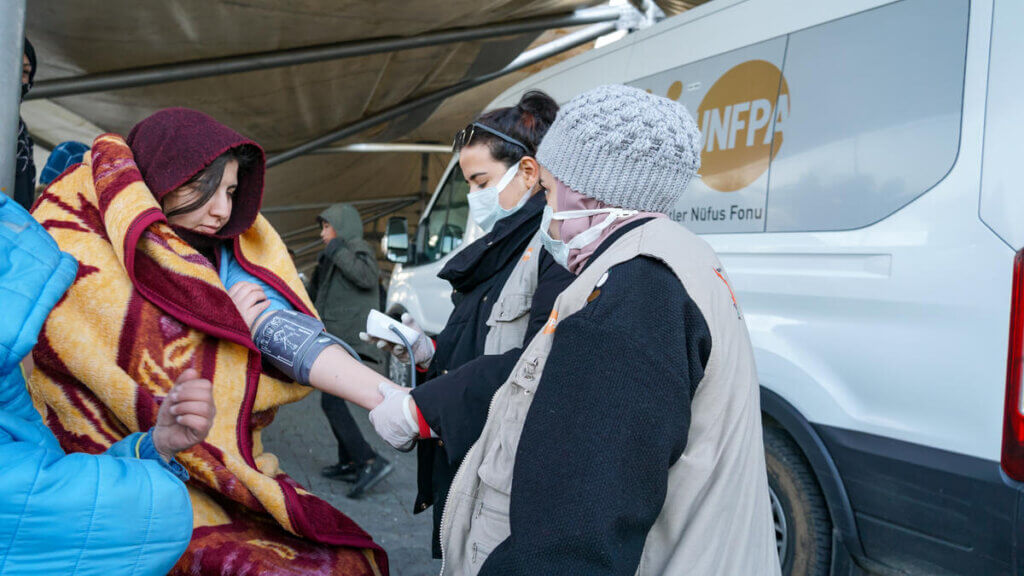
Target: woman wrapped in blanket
(125, 511)
(163, 224)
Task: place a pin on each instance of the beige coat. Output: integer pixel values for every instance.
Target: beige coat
(510, 315)
(716, 518)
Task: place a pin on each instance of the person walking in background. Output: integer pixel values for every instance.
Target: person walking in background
(344, 288)
(25, 165)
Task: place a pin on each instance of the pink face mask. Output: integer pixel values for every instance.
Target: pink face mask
(584, 223)
(560, 249)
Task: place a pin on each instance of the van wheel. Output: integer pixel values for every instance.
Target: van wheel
(802, 525)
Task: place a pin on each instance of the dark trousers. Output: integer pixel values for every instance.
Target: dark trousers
(352, 447)
(24, 191)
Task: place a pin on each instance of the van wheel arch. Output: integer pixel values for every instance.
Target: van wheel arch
(778, 413)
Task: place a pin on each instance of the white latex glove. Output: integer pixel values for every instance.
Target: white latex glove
(422, 348)
(394, 419)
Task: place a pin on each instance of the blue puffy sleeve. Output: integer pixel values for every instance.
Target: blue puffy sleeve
(69, 513)
(86, 514)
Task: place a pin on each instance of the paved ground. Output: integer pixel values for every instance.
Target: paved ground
(301, 438)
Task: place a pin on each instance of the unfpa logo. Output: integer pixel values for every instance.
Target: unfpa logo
(735, 118)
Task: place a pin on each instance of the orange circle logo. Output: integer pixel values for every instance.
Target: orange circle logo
(735, 118)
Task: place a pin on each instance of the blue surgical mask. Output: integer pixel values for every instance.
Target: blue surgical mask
(560, 250)
(484, 206)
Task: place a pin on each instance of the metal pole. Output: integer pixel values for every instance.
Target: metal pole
(388, 211)
(300, 231)
(309, 247)
(12, 31)
(528, 58)
(301, 238)
(318, 205)
(386, 148)
(275, 59)
(377, 214)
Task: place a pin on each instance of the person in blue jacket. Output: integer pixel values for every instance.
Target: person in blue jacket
(122, 512)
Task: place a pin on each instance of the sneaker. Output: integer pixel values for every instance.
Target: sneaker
(342, 472)
(371, 473)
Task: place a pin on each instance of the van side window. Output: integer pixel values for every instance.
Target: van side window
(875, 115)
(1002, 204)
(441, 230)
(833, 127)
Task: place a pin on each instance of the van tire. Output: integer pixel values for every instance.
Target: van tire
(796, 492)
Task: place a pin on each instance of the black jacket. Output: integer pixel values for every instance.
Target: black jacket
(610, 416)
(458, 388)
(25, 169)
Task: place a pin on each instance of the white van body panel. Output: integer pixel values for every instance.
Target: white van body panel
(422, 294)
(860, 329)
(885, 323)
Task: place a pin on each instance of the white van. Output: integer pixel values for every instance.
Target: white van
(859, 183)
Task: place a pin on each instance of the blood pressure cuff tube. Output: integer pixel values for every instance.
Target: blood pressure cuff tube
(292, 341)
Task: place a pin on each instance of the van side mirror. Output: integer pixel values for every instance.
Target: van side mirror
(396, 240)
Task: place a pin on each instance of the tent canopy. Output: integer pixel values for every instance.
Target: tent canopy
(286, 106)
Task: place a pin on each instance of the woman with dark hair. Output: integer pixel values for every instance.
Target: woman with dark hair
(503, 285)
(163, 224)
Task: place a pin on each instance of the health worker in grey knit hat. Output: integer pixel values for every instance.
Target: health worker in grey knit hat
(635, 411)
(615, 155)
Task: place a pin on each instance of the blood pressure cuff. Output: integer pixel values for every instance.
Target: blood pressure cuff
(292, 341)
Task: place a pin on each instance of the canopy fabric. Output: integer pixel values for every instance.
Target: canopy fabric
(283, 107)
(279, 107)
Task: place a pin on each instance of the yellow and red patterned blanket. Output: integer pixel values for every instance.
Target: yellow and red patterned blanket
(146, 306)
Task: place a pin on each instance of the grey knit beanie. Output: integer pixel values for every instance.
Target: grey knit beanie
(624, 147)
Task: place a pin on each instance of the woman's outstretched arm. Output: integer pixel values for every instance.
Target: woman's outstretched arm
(296, 344)
(336, 372)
